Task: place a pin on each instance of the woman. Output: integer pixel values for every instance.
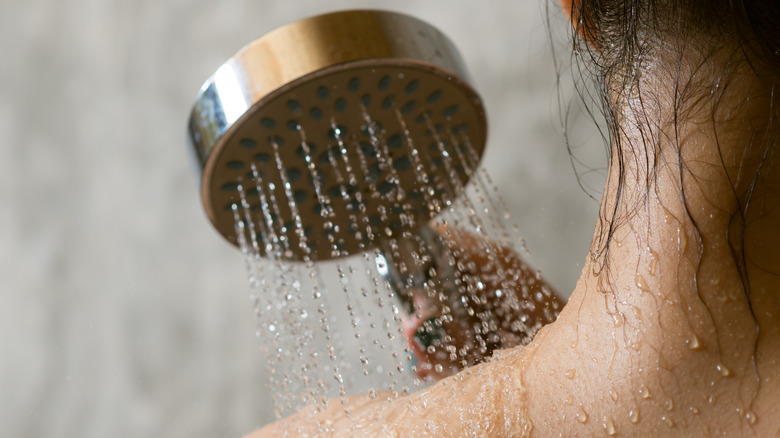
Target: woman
(674, 326)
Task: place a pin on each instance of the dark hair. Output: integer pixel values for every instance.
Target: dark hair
(614, 39)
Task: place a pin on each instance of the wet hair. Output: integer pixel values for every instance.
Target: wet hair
(612, 42)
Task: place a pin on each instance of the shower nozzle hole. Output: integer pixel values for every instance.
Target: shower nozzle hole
(279, 141)
(354, 85)
(235, 165)
(294, 106)
(384, 82)
(386, 187)
(300, 196)
(463, 127)
(268, 123)
(293, 125)
(450, 110)
(340, 105)
(367, 149)
(323, 92)
(302, 152)
(395, 141)
(262, 158)
(408, 107)
(247, 143)
(423, 117)
(387, 103)
(412, 86)
(293, 175)
(402, 163)
(230, 187)
(433, 97)
(338, 131)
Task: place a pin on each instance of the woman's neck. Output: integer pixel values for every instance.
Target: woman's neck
(694, 219)
(677, 312)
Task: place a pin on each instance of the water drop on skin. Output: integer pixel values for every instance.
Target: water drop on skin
(751, 417)
(633, 415)
(668, 420)
(724, 371)
(582, 416)
(653, 262)
(641, 283)
(570, 374)
(682, 240)
(644, 392)
(617, 319)
(694, 410)
(694, 343)
(613, 394)
(669, 404)
(609, 427)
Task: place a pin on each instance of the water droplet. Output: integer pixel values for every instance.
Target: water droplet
(682, 240)
(724, 371)
(613, 394)
(609, 427)
(669, 404)
(438, 368)
(271, 328)
(617, 319)
(668, 420)
(751, 417)
(644, 392)
(694, 410)
(633, 415)
(582, 416)
(641, 283)
(694, 343)
(653, 262)
(570, 374)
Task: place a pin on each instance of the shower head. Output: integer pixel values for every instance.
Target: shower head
(336, 132)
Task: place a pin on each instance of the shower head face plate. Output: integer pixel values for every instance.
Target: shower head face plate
(344, 156)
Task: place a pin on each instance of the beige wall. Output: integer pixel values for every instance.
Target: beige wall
(122, 313)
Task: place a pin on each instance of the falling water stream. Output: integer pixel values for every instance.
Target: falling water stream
(417, 301)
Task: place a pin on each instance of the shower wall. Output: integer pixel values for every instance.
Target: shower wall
(122, 312)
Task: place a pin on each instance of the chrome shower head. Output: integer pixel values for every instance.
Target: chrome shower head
(335, 132)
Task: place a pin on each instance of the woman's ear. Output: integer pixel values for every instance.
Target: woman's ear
(572, 9)
(566, 5)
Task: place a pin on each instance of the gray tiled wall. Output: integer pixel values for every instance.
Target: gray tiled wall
(122, 313)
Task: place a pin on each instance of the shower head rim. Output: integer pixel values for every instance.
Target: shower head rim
(296, 55)
(257, 69)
